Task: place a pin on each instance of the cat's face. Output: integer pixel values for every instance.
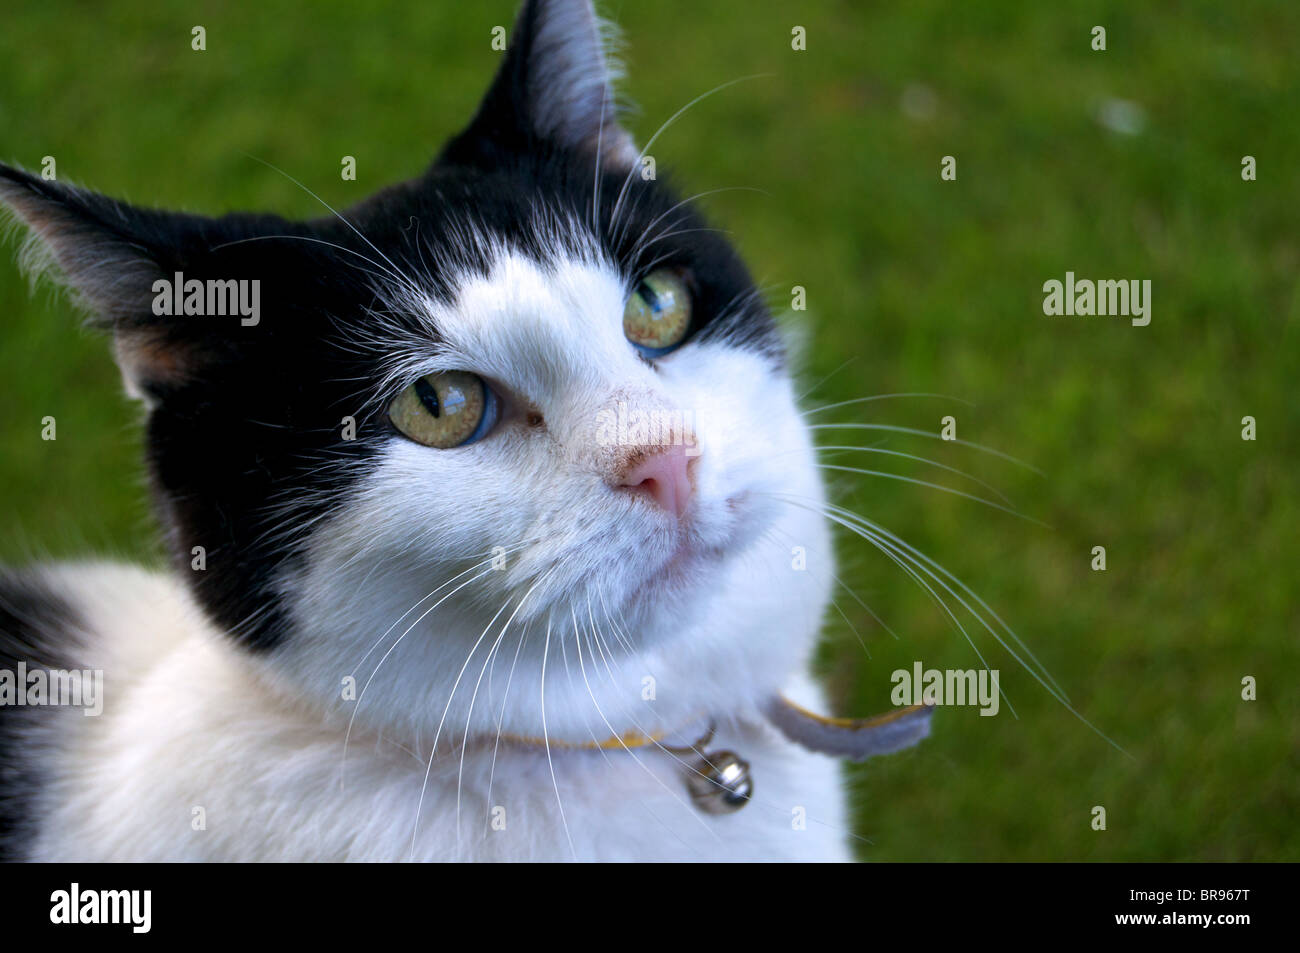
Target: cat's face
(523, 417)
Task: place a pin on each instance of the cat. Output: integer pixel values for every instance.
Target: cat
(438, 592)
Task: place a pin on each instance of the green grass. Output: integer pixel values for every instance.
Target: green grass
(918, 284)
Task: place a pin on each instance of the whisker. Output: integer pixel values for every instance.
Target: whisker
(505, 698)
(619, 738)
(657, 819)
(469, 717)
(691, 768)
(853, 628)
(847, 588)
(395, 273)
(595, 175)
(304, 238)
(546, 740)
(907, 569)
(918, 555)
(623, 640)
(618, 203)
(433, 750)
(889, 542)
(637, 248)
(489, 559)
(664, 257)
(867, 400)
(820, 382)
(911, 456)
(925, 433)
(360, 698)
(933, 486)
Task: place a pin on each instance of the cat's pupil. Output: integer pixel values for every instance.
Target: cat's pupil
(649, 297)
(428, 396)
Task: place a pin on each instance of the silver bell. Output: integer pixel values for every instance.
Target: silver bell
(720, 782)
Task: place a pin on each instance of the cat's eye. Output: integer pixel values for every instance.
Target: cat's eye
(658, 312)
(445, 410)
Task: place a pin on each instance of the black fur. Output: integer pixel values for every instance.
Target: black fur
(244, 443)
(39, 628)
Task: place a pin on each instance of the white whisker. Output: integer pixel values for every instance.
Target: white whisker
(933, 486)
(867, 400)
(658, 132)
(925, 433)
(911, 456)
(460, 773)
(546, 740)
(433, 749)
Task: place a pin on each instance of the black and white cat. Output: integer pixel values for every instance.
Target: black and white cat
(429, 600)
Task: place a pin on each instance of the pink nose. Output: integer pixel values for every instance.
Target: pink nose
(662, 475)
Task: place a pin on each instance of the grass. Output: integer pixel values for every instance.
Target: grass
(913, 284)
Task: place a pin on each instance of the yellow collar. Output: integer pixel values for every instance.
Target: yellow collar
(720, 782)
(631, 739)
(854, 738)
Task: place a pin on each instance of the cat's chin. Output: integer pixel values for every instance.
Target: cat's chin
(696, 557)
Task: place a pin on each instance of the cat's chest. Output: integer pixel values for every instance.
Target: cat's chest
(224, 776)
(637, 804)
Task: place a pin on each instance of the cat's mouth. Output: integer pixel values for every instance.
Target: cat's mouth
(694, 554)
(685, 567)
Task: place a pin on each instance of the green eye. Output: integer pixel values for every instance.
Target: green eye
(445, 410)
(658, 313)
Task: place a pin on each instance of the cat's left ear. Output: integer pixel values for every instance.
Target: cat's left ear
(555, 87)
(110, 254)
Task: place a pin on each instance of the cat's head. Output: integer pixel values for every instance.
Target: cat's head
(523, 417)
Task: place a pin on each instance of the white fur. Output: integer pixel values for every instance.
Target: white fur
(199, 730)
(258, 742)
(205, 751)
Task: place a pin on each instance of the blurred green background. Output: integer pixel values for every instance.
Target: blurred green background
(1117, 164)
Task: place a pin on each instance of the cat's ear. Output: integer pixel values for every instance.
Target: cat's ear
(109, 255)
(555, 86)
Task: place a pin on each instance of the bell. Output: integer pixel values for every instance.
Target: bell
(720, 782)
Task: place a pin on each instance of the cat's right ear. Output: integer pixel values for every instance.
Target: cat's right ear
(110, 255)
(555, 87)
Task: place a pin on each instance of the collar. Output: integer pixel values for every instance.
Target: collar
(720, 782)
(853, 738)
